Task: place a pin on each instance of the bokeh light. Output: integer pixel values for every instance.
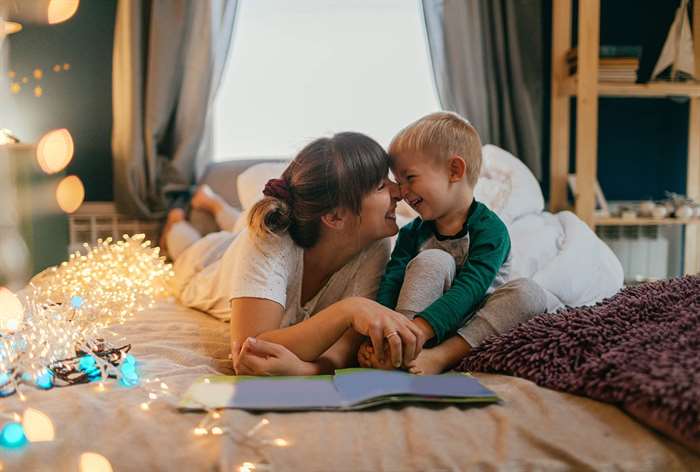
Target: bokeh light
(11, 311)
(70, 194)
(62, 10)
(55, 151)
(38, 427)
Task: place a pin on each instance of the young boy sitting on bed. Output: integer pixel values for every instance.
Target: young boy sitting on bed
(450, 268)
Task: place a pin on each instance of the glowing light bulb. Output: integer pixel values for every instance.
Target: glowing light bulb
(37, 426)
(279, 442)
(70, 194)
(55, 150)
(12, 435)
(62, 10)
(76, 301)
(11, 311)
(94, 462)
(44, 380)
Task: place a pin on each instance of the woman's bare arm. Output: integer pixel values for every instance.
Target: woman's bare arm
(256, 317)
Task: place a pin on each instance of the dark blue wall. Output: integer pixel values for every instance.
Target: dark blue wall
(79, 99)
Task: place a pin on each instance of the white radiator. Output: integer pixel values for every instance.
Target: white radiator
(100, 220)
(643, 251)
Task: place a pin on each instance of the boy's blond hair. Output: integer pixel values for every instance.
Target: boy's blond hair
(441, 135)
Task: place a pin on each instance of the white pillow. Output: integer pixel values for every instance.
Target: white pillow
(507, 186)
(251, 182)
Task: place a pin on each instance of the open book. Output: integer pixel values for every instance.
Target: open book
(348, 389)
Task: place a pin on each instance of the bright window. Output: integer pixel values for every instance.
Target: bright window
(298, 70)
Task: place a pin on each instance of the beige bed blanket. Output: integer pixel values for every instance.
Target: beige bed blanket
(533, 429)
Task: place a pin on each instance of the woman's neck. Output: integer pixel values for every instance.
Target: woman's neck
(330, 254)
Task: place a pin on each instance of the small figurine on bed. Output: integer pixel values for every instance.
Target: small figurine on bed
(450, 268)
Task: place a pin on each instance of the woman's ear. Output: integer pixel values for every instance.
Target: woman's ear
(335, 219)
(456, 167)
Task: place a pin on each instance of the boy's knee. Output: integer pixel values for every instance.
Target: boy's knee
(528, 295)
(433, 263)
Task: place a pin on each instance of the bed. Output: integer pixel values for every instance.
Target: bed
(533, 428)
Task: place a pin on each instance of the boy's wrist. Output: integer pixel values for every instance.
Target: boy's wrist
(425, 327)
(308, 368)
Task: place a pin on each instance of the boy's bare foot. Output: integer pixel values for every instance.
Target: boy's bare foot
(428, 362)
(206, 199)
(175, 215)
(440, 358)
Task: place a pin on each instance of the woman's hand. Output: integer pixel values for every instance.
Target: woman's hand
(405, 340)
(258, 357)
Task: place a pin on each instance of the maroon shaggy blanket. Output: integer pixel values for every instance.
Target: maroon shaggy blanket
(639, 349)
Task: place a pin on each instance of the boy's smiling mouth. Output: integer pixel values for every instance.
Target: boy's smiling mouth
(414, 202)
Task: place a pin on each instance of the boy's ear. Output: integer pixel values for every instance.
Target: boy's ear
(335, 219)
(456, 168)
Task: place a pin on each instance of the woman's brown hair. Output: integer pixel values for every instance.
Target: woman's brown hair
(329, 173)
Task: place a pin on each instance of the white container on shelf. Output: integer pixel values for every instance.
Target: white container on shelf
(638, 253)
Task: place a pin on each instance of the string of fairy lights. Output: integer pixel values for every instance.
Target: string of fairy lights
(54, 334)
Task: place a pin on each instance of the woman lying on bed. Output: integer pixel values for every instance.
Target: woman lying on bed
(297, 284)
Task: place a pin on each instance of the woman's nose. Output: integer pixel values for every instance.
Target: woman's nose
(394, 191)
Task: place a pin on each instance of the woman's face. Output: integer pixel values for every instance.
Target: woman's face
(378, 213)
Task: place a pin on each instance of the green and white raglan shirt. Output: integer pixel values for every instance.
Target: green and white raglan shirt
(482, 253)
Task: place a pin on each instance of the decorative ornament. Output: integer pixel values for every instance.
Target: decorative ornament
(677, 58)
(58, 340)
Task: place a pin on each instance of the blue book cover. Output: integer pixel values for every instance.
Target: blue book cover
(348, 389)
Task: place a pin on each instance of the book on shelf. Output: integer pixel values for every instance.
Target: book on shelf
(611, 52)
(348, 389)
(616, 63)
(613, 63)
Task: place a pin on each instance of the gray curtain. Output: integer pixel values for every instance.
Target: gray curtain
(488, 65)
(169, 56)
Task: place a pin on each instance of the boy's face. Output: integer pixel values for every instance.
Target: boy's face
(424, 183)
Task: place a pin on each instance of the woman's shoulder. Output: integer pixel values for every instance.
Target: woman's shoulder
(248, 244)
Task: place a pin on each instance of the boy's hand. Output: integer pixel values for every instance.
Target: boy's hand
(367, 358)
(258, 357)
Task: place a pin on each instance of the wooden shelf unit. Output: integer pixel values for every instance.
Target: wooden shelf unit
(585, 89)
(648, 90)
(617, 221)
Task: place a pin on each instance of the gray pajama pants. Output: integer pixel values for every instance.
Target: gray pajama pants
(431, 273)
(182, 234)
